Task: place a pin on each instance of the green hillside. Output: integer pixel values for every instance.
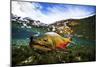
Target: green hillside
(84, 27)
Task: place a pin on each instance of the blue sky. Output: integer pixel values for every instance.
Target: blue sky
(50, 12)
(86, 8)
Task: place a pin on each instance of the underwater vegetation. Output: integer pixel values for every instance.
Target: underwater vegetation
(24, 55)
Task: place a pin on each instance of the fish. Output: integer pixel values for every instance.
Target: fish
(49, 41)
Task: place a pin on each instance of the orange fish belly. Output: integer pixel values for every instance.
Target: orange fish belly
(62, 45)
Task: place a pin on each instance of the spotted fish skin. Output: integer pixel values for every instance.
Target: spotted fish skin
(50, 41)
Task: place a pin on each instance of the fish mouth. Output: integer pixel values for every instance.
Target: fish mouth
(39, 46)
(36, 43)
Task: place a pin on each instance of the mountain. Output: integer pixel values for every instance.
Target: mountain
(26, 27)
(26, 22)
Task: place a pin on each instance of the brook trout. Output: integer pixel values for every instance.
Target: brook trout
(49, 41)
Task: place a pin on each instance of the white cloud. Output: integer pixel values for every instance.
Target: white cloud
(32, 10)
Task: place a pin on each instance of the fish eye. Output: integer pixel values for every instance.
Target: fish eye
(45, 40)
